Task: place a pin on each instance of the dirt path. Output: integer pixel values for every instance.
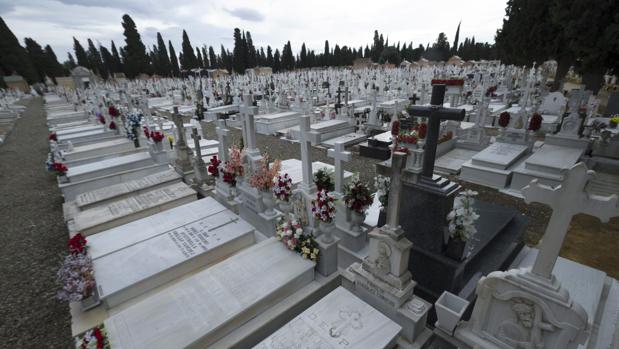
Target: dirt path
(32, 238)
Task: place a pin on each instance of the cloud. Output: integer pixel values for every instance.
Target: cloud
(247, 14)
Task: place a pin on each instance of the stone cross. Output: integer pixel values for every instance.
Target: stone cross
(398, 161)
(435, 114)
(196, 141)
(307, 137)
(222, 136)
(178, 122)
(339, 154)
(566, 200)
(249, 134)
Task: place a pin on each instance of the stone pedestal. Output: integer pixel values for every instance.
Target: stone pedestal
(251, 208)
(327, 258)
(426, 206)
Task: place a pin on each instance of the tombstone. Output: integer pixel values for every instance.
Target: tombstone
(183, 152)
(224, 191)
(568, 135)
(383, 279)
(529, 308)
(201, 180)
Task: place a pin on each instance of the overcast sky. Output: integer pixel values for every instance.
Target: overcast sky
(271, 22)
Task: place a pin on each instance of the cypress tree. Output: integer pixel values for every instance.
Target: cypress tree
(80, 54)
(276, 61)
(117, 67)
(199, 58)
(163, 58)
(238, 53)
(303, 57)
(54, 67)
(325, 55)
(205, 59)
(173, 60)
(35, 52)
(70, 63)
(188, 60)
(13, 57)
(454, 48)
(270, 60)
(96, 63)
(108, 60)
(136, 60)
(251, 51)
(212, 58)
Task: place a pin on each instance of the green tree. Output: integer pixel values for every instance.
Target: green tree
(176, 72)
(96, 63)
(251, 50)
(390, 55)
(239, 54)
(287, 57)
(69, 64)
(440, 49)
(199, 58)
(54, 68)
(136, 61)
(270, 57)
(276, 61)
(165, 67)
(108, 60)
(454, 48)
(326, 60)
(80, 54)
(303, 57)
(205, 57)
(592, 32)
(212, 58)
(117, 66)
(37, 57)
(13, 57)
(188, 58)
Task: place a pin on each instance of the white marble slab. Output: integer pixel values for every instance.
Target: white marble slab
(137, 268)
(95, 197)
(82, 134)
(72, 130)
(294, 169)
(452, 161)
(337, 321)
(100, 168)
(554, 158)
(499, 155)
(100, 148)
(129, 209)
(203, 308)
(347, 139)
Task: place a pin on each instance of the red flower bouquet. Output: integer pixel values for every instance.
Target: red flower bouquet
(323, 207)
(213, 168)
(156, 136)
(52, 137)
(146, 132)
(395, 128)
(357, 196)
(112, 125)
(504, 119)
(536, 122)
(410, 138)
(422, 130)
(113, 111)
(77, 244)
(60, 168)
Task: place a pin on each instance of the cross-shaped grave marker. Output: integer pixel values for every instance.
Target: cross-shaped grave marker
(307, 138)
(566, 200)
(222, 136)
(435, 114)
(339, 154)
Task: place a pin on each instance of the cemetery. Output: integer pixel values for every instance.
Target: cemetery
(390, 197)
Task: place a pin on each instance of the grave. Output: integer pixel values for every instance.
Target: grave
(109, 166)
(103, 196)
(164, 255)
(493, 166)
(96, 149)
(199, 310)
(122, 211)
(268, 124)
(326, 129)
(339, 320)
(377, 147)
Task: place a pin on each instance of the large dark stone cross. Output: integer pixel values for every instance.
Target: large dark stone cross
(435, 114)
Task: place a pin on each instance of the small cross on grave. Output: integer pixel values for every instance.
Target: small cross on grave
(392, 226)
(414, 99)
(247, 112)
(566, 200)
(222, 136)
(178, 122)
(196, 141)
(339, 154)
(435, 114)
(307, 138)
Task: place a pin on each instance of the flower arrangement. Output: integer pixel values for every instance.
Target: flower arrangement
(395, 128)
(490, 92)
(446, 137)
(283, 187)
(60, 168)
(213, 168)
(233, 167)
(408, 137)
(156, 136)
(113, 111)
(134, 120)
(146, 132)
(112, 125)
(171, 141)
(382, 185)
(323, 207)
(323, 179)
(101, 118)
(53, 137)
(77, 276)
(263, 177)
(78, 244)
(357, 196)
(422, 130)
(535, 123)
(462, 217)
(95, 338)
(290, 232)
(504, 119)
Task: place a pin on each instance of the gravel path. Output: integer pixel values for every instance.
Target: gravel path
(33, 238)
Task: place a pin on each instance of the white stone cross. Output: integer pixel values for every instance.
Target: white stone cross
(247, 112)
(180, 128)
(307, 137)
(339, 154)
(196, 141)
(398, 161)
(566, 200)
(222, 136)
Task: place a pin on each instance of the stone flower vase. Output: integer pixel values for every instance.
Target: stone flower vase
(63, 179)
(158, 146)
(356, 219)
(285, 207)
(326, 230)
(456, 248)
(269, 202)
(91, 301)
(449, 310)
